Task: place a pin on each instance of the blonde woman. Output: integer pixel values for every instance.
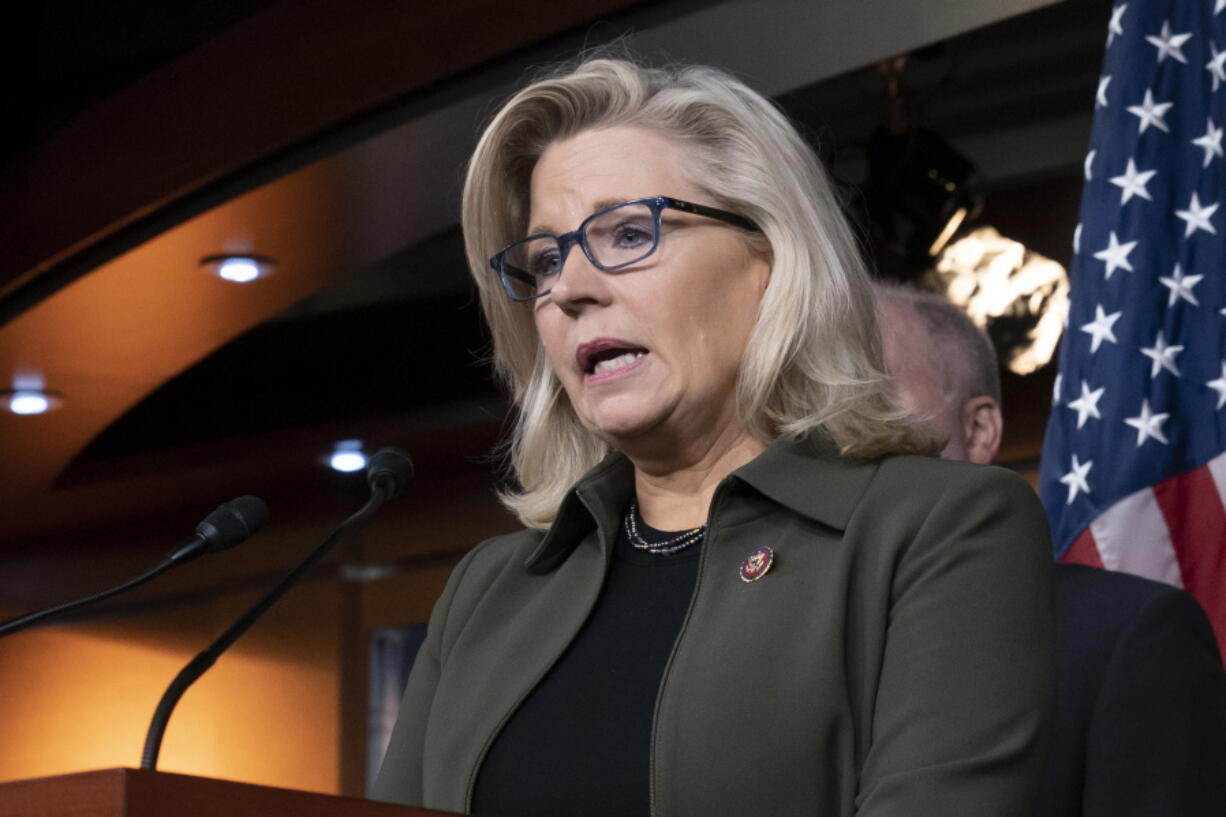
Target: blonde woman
(738, 590)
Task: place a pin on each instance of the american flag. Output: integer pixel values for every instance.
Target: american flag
(1133, 473)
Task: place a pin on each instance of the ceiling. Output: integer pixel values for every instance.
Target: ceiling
(337, 150)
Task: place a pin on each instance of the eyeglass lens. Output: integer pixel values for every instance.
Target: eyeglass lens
(615, 238)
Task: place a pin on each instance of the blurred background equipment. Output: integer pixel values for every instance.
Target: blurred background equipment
(920, 190)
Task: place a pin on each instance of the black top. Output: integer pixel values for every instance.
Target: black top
(581, 741)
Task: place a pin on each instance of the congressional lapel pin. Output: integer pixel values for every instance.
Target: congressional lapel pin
(756, 564)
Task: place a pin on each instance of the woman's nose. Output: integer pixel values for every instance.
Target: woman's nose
(580, 282)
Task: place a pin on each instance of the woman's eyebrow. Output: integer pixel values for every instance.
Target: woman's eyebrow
(602, 204)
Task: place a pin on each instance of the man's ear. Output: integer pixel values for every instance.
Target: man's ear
(982, 426)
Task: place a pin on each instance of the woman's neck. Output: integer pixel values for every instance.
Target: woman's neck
(674, 493)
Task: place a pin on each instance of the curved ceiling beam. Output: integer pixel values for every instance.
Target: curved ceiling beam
(261, 88)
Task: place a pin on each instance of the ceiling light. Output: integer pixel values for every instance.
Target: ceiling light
(29, 401)
(348, 456)
(1015, 293)
(239, 269)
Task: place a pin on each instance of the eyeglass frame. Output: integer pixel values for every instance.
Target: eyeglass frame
(566, 241)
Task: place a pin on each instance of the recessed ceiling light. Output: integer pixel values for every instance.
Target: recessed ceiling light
(348, 456)
(29, 401)
(239, 269)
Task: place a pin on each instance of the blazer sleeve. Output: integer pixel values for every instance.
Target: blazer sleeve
(401, 778)
(963, 706)
(1157, 737)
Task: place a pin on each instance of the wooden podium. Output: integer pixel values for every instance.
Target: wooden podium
(141, 793)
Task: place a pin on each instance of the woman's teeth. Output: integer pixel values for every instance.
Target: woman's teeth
(617, 362)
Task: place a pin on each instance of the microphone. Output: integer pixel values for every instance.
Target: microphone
(387, 473)
(230, 524)
(390, 469)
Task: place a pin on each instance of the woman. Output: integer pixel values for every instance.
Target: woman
(734, 593)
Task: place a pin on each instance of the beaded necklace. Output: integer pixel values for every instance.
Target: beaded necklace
(671, 545)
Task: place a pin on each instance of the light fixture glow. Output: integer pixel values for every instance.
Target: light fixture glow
(991, 277)
(238, 269)
(24, 402)
(348, 457)
(29, 401)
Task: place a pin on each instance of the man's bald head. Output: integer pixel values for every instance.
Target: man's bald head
(945, 369)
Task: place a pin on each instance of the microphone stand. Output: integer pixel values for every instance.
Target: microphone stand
(383, 488)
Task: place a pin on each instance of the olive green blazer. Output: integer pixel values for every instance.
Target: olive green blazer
(897, 659)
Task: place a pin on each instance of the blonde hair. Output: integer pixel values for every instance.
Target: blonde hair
(813, 358)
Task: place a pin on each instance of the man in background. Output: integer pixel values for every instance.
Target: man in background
(1141, 703)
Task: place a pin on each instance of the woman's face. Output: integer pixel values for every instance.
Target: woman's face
(649, 353)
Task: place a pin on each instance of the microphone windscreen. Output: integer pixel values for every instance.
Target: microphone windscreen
(233, 523)
(392, 464)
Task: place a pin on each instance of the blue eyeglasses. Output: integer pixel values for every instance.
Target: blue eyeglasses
(612, 238)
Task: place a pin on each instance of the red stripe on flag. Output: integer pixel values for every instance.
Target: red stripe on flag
(1083, 551)
(1197, 522)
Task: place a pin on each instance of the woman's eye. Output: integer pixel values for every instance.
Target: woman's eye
(631, 234)
(544, 264)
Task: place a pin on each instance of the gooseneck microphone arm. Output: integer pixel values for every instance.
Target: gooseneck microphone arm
(229, 525)
(19, 624)
(387, 473)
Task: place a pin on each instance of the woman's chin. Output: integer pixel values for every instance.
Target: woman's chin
(619, 435)
(619, 428)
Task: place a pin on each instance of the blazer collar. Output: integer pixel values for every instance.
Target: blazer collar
(810, 477)
(806, 475)
(596, 501)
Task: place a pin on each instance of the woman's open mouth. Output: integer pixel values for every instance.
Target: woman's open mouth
(606, 358)
(618, 362)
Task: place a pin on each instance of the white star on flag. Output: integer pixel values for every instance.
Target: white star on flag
(1076, 479)
(1218, 6)
(1211, 142)
(1055, 387)
(1116, 254)
(1076, 240)
(1116, 27)
(1087, 404)
(1216, 66)
(1151, 113)
(1197, 217)
(1169, 44)
(1089, 165)
(1100, 98)
(1100, 329)
(1162, 355)
(1148, 425)
(1218, 385)
(1181, 286)
(1132, 183)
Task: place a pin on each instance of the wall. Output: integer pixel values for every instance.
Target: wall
(81, 697)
